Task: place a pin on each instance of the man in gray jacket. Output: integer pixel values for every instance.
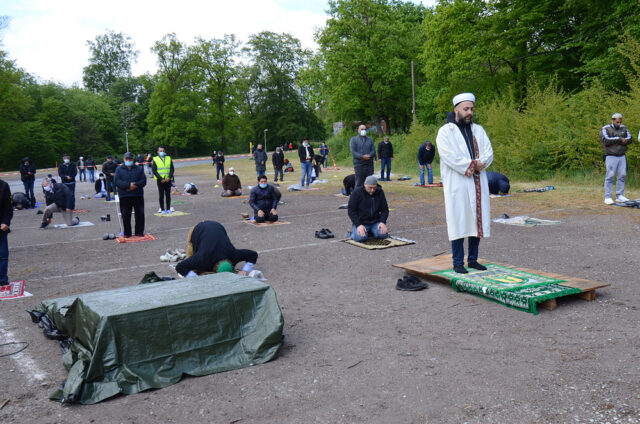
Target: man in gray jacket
(363, 152)
(260, 157)
(615, 138)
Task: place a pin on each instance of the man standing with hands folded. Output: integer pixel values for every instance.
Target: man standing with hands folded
(465, 153)
(129, 180)
(363, 152)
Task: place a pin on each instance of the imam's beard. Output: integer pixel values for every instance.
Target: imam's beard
(466, 120)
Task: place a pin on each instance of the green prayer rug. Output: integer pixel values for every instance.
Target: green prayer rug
(518, 289)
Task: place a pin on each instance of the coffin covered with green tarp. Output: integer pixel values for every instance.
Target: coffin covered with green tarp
(147, 336)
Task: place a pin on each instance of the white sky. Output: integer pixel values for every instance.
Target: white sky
(47, 38)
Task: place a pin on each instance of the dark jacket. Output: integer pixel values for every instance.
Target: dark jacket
(263, 199)
(277, 159)
(219, 159)
(365, 209)
(231, 182)
(260, 156)
(211, 244)
(98, 185)
(90, 163)
(109, 168)
(63, 197)
(385, 150)
(6, 208)
(360, 146)
(349, 183)
(25, 169)
(610, 136)
(498, 183)
(426, 156)
(67, 170)
(302, 152)
(125, 176)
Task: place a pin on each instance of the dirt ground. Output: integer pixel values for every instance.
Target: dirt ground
(356, 350)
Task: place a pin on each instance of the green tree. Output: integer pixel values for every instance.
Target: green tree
(111, 57)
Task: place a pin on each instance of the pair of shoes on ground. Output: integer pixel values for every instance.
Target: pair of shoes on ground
(410, 283)
(173, 255)
(107, 236)
(460, 269)
(610, 201)
(324, 233)
(166, 211)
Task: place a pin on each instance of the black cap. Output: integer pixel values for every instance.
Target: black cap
(109, 157)
(128, 155)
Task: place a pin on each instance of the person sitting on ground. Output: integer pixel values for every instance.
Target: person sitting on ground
(317, 166)
(100, 187)
(349, 184)
(20, 201)
(62, 200)
(210, 250)
(498, 183)
(190, 189)
(264, 201)
(288, 167)
(231, 184)
(368, 211)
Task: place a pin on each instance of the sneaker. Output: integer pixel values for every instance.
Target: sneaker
(460, 269)
(476, 265)
(608, 201)
(410, 283)
(321, 235)
(621, 198)
(44, 225)
(328, 233)
(159, 210)
(171, 209)
(163, 212)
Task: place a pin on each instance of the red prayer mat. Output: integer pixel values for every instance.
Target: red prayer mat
(13, 289)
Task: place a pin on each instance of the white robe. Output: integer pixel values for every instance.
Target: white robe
(460, 198)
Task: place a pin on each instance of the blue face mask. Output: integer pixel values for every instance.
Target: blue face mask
(128, 163)
(263, 185)
(161, 154)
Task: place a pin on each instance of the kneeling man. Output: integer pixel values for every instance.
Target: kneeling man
(210, 250)
(368, 211)
(264, 201)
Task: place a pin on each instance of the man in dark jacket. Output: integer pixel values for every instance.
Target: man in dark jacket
(385, 155)
(28, 177)
(498, 183)
(219, 159)
(349, 183)
(426, 152)
(67, 172)
(305, 153)
(6, 213)
(210, 250)
(277, 158)
(91, 169)
(615, 139)
(109, 171)
(129, 180)
(363, 152)
(62, 200)
(264, 201)
(260, 157)
(231, 184)
(368, 211)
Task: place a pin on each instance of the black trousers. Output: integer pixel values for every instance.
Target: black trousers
(267, 216)
(127, 204)
(108, 184)
(362, 172)
(278, 170)
(164, 192)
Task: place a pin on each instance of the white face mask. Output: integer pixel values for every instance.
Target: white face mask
(66, 160)
(232, 172)
(363, 132)
(48, 188)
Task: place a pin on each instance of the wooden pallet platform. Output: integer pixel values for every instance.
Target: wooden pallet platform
(426, 267)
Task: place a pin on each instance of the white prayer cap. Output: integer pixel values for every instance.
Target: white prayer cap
(463, 97)
(616, 116)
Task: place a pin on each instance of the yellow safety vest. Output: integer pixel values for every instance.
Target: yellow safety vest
(164, 168)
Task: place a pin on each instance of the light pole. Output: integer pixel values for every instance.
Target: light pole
(265, 139)
(126, 135)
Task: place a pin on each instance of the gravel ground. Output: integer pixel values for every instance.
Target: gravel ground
(355, 350)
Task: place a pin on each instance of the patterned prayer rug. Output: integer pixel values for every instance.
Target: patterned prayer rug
(12, 290)
(517, 289)
(374, 244)
(136, 239)
(80, 224)
(266, 223)
(172, 214)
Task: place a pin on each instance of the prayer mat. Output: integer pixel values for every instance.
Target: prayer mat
(244, 196)
(136, 239)
(80, 224)
(493, 196)
(539, 190)
(178, 202)
(525, 221)
(517, 289)
(430, 185)
(265, 224)
(12, 290)
(109, 201)
(340, 195)
(629, 204)
(81, 211)
(172, 214)
(374, 244)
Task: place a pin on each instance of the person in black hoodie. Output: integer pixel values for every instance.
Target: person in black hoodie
(426, 152)
(385, 155)
(277, 158)
(6, 213)
(90, 164)
(129, 181)
(109, 171)
(62, 200)
(264, 201)
(67, 172)
(219, 160)
(210, 250)
(368, 211)
(28, 177)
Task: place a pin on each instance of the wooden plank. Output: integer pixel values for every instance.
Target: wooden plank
(588, 295)
(550, 304)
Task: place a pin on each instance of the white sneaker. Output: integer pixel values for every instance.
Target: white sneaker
(171, 209)
(621, 198)
(608, 201)
(159, 210)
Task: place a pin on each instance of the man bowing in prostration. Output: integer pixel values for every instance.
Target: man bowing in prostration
(465, 153)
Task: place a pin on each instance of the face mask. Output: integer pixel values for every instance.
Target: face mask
(66, 160)
(102, 178)
(232, 172)
(305, 144)
(263, 185)
(128, 163)
(161, 154)
(363, 132)
(48, 188)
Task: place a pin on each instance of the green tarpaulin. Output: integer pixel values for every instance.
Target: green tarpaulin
(147, 336)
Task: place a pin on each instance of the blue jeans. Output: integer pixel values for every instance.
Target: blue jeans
(429, 173)
(261, 172)
(305, 170)
(369, 228)
(219, 170)
(28, 190)
(92, 174)
(457, 250)
(385, 163)
(83, 175)
(4, 258)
